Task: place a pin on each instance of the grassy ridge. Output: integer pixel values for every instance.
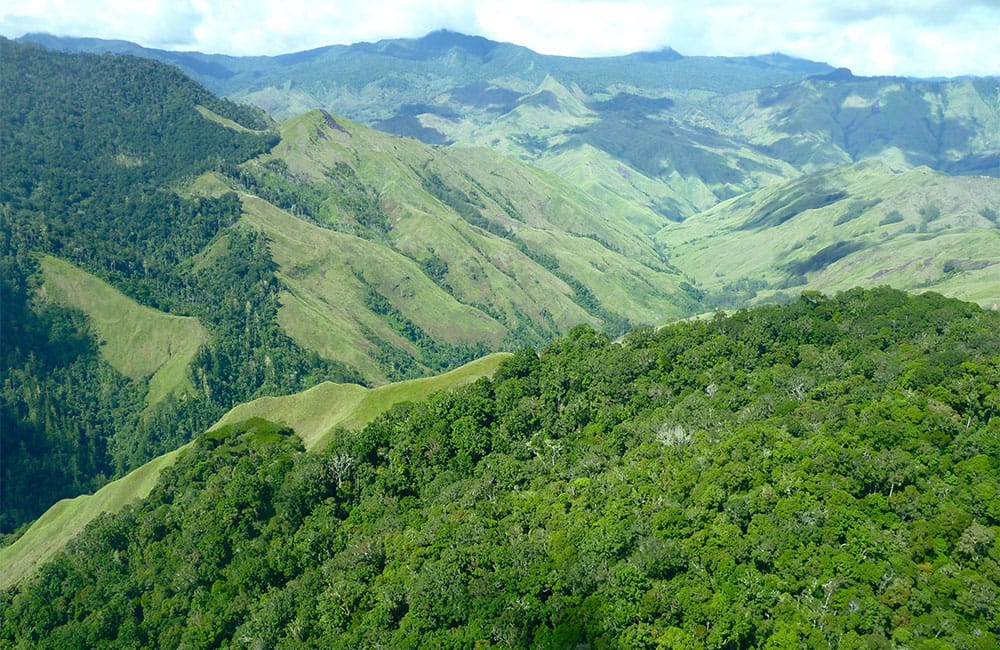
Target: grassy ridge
(328, 275)
(141, 343)
(486, 202)
(314, 414)
(395, 255)
(212, 116)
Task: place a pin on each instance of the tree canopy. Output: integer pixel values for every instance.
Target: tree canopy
(825, 473)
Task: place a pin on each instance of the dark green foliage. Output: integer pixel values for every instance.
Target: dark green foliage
(60, 404)
(410, 126)
(92, 149)
(928, 213)
(782, 208)
(892, 217)
(436, 269)
(855, 209)
(613, 323)
(733, 295)
(821, 474)
(460, 202)
(545, 260)
(340, 201)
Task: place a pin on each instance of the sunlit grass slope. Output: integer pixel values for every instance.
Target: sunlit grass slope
(317, 412)
(328, 275)
(63, 521)
(486, 268)
(471, 247)
(139, 342)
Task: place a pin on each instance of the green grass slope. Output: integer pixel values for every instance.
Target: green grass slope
(139, 342)
(659, 153)
(317, 412)
(401, 259)
(858, 225)
(329, 275)
(478, 216)
(314, 413)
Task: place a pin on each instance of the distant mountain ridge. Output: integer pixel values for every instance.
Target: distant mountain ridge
(673, 133)
(374, 81)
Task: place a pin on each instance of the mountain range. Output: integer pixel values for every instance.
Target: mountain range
(379, 213)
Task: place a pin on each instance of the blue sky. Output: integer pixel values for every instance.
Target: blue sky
(902, 37)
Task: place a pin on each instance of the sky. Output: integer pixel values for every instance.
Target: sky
(924, 38)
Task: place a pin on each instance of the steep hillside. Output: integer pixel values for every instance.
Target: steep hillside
(92, 151)
(400, 258)
(317, 413)
(857, 225)
(821, 474)
(665, 132)
(343, 254)
(950, 126)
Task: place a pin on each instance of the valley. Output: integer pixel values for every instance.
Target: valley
(471, 346)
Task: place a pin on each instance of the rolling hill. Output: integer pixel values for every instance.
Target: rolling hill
(671, 133)
(815, 473)
(324, 249)
(398, 258)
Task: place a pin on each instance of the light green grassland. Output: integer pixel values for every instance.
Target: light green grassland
(915, 230)
(325, 309)
(624, 271)
(315, 414)
(141, 343)
(212, 116)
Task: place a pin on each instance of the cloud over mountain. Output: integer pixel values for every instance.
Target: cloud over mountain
(922, 38)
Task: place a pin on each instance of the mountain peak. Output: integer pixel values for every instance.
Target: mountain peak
(433, 45)
(659, 56)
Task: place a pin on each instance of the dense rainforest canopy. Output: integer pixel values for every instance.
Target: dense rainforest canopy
(825, 473)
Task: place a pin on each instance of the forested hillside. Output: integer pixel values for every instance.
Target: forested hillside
(93, 151)
(823, 473)
(322, 249)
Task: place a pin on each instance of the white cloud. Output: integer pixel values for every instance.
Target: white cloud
(151, 23)
(577, 28)
(906, 37)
